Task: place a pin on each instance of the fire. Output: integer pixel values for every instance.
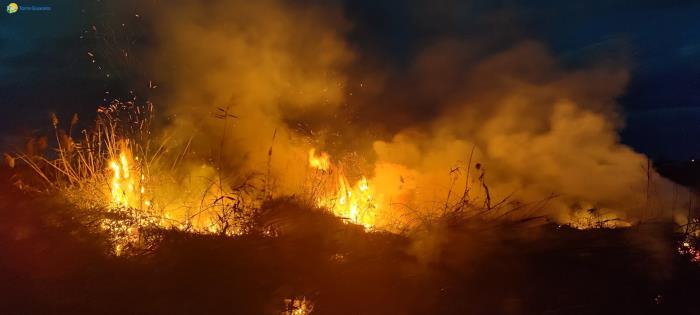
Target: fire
(355, 203)
(687, 248)
(321, 162)
(297, 306)
(123, 186)
(591, 218)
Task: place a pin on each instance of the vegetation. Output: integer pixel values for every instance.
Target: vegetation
(78, 238)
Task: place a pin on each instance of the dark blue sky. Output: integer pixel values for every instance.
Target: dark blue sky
(662, 41)
(44, 64)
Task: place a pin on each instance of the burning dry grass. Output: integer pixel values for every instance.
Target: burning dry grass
(228, 215)
(118, 172)
(689, 245)
(357, 203)
(297, 306)
(464, 254)
(455, 266)
(134, 184)
(543, 134)
(131, 184)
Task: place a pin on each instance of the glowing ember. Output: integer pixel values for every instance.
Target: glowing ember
(357, 203)
(594, 218)
(688, 248)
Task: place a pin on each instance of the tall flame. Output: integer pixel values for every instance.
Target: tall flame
(357, 203)
(123, 186)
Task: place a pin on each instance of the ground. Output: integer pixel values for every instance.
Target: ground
(51, 264)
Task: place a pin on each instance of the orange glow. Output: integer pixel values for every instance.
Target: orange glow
(320, 162)
(123, 187)
(355, 203)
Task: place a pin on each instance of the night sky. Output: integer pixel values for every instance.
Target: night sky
(45, 66)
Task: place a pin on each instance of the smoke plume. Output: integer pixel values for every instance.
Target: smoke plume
(263, 62)
(505, 123)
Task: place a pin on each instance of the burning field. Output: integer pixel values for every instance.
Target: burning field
(266, 162)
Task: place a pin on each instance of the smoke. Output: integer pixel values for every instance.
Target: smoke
(293, 79)
(263, 62)
(537, 131)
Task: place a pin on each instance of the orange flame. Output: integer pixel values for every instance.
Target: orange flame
(320, 162)
(357, 203)
(123, 186)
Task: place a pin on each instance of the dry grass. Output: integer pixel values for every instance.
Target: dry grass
(78, 167)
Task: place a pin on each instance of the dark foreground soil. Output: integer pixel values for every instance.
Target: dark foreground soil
(50, 264)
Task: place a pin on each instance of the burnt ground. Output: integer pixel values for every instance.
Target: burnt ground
(51, 264)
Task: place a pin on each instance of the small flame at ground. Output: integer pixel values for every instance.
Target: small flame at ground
(298, 307)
